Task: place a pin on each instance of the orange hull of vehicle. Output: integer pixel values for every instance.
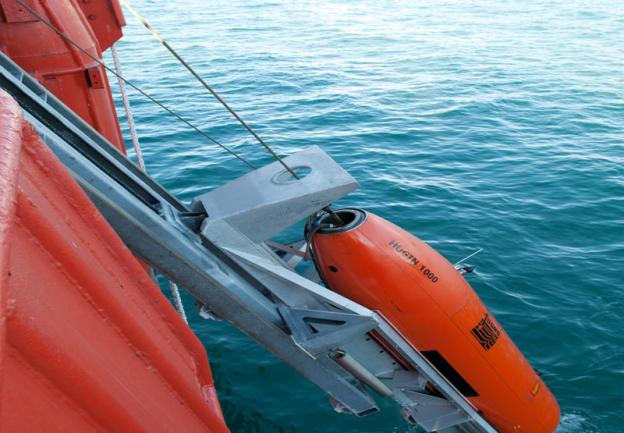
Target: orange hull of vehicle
(385, 268)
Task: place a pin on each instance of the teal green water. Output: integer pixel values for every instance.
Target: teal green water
(483, 124)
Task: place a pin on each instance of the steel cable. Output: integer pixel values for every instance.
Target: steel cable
(169, 48)
(129, 83)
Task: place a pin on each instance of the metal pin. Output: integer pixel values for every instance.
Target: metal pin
(347, 362)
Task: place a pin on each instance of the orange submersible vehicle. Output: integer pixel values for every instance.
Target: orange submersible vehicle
(379, 265)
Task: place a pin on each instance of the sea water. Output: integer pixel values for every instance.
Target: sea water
(472, 124)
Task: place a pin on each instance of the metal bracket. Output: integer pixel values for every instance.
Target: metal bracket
(320, 331)
(266, 201)
(432, 413)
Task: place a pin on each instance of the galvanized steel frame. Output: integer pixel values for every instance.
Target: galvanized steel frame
(155, 226)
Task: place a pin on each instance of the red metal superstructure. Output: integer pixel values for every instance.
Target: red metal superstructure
(87, 340)
(79, 81)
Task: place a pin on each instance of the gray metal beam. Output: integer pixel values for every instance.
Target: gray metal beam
(200, 268)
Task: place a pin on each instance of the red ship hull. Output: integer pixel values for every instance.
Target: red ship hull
(87, 340)
(75, 78)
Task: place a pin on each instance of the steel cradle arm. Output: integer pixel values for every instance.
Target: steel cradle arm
(215, 250)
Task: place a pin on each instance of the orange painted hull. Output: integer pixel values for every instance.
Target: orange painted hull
(385, 268)
(88, 343)
(75, 78)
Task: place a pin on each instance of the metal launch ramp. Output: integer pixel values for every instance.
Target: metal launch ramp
(216, 249)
